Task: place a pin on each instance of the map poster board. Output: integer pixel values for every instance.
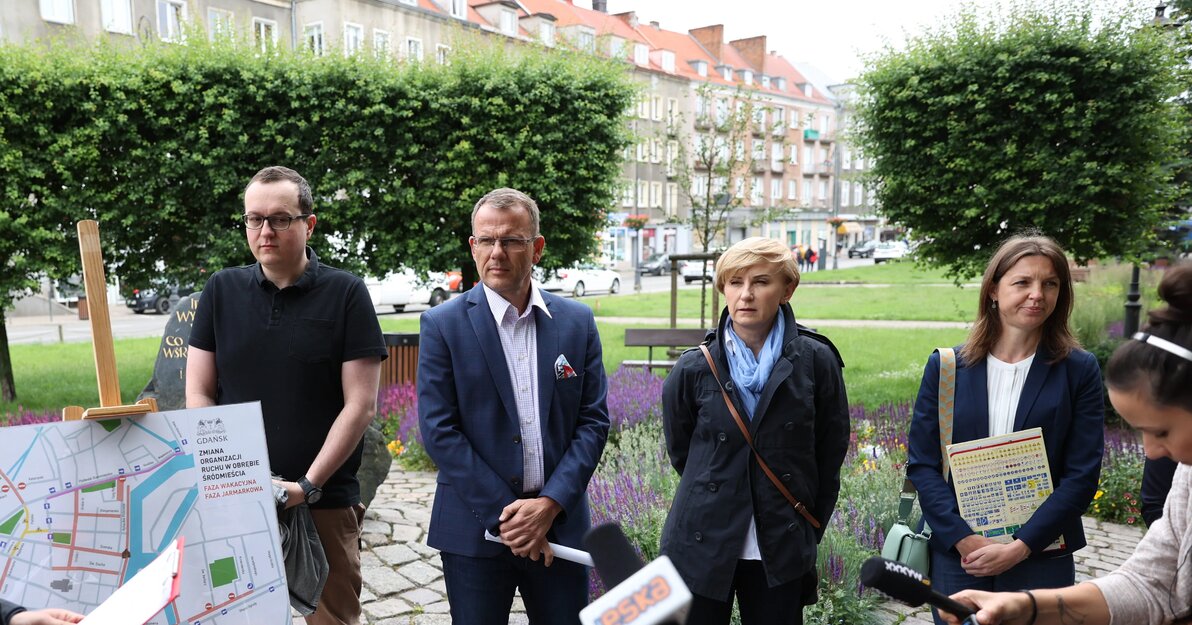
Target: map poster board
(1000, 481)
(85, 505)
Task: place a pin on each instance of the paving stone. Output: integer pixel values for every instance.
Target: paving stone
(403, 533)
(396, 555)
(387, 608)
(420, 573)
(431, 619)
(421, 597)
(441, 607)
(384, 581)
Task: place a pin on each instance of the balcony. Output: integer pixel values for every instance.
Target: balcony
(703, 121)
(810, 134)
(777, 166)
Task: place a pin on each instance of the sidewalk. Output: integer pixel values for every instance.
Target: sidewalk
(403, 578)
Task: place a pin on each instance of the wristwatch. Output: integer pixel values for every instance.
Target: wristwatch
(311, 492)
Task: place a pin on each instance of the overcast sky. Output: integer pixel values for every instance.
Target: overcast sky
(829, 34)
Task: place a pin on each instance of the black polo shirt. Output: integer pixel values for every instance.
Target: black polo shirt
(285, 348)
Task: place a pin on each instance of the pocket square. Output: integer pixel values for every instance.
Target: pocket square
(563, 368)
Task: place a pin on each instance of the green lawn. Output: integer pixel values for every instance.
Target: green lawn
(51, 376)
(812, 301)
(902, 272)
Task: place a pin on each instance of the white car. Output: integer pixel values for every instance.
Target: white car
(403, 288)
(693, 270)
(582, 278)
(890, 250)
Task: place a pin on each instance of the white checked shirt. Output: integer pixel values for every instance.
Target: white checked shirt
(519, 341)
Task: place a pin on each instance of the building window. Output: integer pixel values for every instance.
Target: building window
(775, 190)
(353, 38)
(792, 189)
(412, 3)
(823, 189)
(765, 82)
(546, 32)
(459, 8)
(171, 15)
(759, 116)
(642, 152)
(740, 187)
(656, 150)
(627, 196)
(264, 34)
(313, 34)
(728, 73)
(776, 155)
(655, 195)
(756, 190)
(672, 157)
(641, 54)
(413, 49)
(721, 111)
(672, 111)
(857, 192)
(794, 159)
(778, 121)
(672, 199)
(442, 53)
(586, 40)
(699, 188)
(668, 61)
(643, 192)
(59, 11)
(847, 159)
(759, 151)
(219, 21)
(643, 107)
(701, 68)
(808, 158)
(508, 22)
(117, 16)
(747, 77)
(845, 192)
(380, 43)
(656, 108)
(806, 191)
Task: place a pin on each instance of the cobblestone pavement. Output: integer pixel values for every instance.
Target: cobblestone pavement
(403, 578)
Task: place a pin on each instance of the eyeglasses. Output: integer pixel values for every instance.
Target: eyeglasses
(277, 222)
(509, 244)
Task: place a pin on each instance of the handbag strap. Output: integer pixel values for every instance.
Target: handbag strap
(947, 409)
(798, 505)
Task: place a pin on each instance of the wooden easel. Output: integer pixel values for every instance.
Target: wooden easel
(101, 336)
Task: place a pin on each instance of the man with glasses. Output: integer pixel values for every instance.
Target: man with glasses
(303, 339)
(511, 406)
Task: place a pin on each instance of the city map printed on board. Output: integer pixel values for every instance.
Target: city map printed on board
(84, 505)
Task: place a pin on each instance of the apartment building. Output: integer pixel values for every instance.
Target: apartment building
(799, 173)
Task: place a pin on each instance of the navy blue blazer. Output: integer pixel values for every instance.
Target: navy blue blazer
(468, 417)
(1065, 398)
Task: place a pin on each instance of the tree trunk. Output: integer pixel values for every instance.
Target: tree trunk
(8, 389)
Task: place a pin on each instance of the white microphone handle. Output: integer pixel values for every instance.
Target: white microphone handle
(570, 554)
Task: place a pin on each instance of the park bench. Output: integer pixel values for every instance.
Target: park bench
(670, 338)
(402, 363)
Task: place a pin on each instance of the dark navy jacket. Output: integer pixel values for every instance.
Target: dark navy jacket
(1065, 399)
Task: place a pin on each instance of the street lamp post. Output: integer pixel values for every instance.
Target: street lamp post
(1133, 307)
(635, 242)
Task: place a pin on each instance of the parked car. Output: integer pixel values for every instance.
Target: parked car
(582, 278)
(655, 265)
(157, 300)
(693, 270)
(403, 288)
(864, 249)
(890, 250)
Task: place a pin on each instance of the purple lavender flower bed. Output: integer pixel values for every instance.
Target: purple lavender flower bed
(29, 417)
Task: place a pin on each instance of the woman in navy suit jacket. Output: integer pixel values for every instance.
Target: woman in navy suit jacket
(1020, 368)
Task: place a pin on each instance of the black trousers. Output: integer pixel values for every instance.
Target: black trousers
(760, 604)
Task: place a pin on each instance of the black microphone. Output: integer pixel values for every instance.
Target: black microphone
(902, 583)
(638, 593)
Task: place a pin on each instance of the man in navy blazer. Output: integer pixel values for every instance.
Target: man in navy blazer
(511, 405)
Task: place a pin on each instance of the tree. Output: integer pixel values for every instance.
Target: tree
(157, 144)
(1048, 118)
(714, 165)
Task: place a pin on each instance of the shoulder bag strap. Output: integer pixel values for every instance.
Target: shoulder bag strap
(798, 505)
(947, 407)
(947, 403)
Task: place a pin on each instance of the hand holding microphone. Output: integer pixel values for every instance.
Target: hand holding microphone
(902, 583)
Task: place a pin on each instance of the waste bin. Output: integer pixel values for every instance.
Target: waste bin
(84, 312)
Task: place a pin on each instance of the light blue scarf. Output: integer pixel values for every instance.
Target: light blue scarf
(751, 373)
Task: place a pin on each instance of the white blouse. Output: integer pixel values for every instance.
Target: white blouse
(1005, 382)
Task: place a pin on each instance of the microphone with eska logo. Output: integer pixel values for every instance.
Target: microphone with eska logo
(902, 583)
(647, 594)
